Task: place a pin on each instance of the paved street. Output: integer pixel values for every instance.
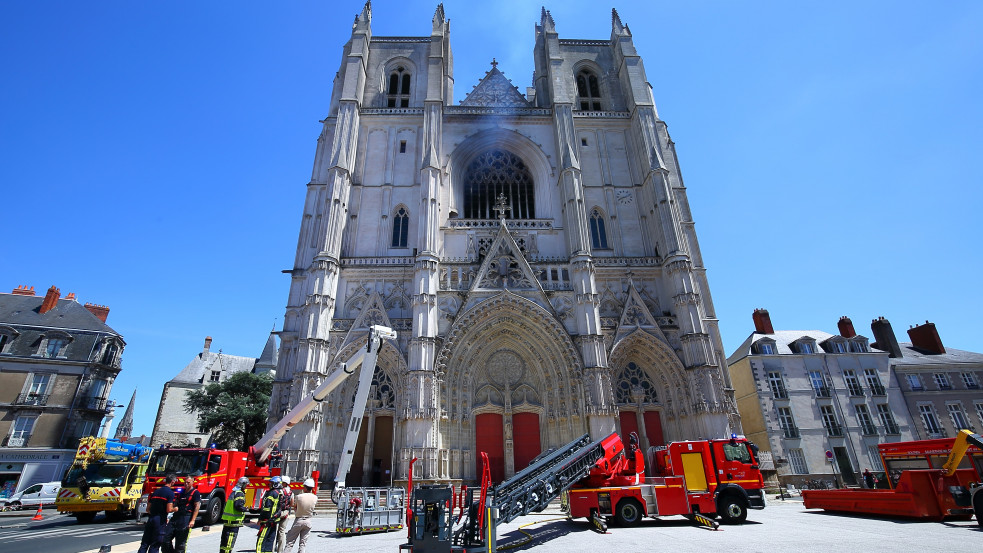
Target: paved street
(783, 526)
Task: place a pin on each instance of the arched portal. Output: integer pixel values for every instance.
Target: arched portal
(372, 463)
(508, 362)
(651, 390)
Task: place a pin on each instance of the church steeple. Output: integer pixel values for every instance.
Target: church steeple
(125, 427)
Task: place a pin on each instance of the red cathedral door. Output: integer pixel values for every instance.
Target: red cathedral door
(629, 424)
(653, 428)
(525, 439)
(490, 438)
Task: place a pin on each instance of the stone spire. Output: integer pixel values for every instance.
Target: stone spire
(364, 19)
(438, 17)
(125, 427)
(268, 359)
(617, 28)
(546, 21)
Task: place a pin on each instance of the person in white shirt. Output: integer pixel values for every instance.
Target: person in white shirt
(304, 504)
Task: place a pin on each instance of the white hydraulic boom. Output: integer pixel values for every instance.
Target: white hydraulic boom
(366, 358)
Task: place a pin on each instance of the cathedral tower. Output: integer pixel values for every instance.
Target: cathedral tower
(535, 253)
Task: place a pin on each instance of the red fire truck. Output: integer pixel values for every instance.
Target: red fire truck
(705, 477)
(216, 471)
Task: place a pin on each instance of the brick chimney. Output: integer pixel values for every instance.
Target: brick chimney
(884, 338)
(23, 291)
(762, 322)
(846, 327)
(926, 337)
(208, 344)
(50, 300)
(100, 311)
(71, 296)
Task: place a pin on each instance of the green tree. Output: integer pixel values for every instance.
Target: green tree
(235, 410)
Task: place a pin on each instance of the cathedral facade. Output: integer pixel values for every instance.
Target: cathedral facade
(534, 251)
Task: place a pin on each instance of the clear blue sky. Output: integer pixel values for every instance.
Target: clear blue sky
(154, 155)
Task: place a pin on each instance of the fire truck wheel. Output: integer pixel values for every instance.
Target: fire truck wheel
(629, 512)
(733, 509)
(213, 511)
(85, 517)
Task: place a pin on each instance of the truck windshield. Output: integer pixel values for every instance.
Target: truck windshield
(181, 463)
(737, 452)
(97, 474)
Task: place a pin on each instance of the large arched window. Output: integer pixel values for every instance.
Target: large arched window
(598, 237)
(398, 89)
(498, 173)
(588, 92)
(634, 386)
(401, 227)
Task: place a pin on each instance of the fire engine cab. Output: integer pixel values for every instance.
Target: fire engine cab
(703, 477)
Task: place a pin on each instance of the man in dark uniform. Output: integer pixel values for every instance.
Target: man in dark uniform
(188, 501)
(159, 505)
(269, 517)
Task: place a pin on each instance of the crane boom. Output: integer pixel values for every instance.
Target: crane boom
(364, 357)
(964, 439)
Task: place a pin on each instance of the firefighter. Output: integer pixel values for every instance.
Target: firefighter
(269, 516)
(288, 505)
(233, 515)
(160, 504)
(187, 502)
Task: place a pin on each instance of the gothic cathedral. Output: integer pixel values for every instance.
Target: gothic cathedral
(535, 253)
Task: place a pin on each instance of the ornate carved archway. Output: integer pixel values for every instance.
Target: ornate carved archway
(508, 355)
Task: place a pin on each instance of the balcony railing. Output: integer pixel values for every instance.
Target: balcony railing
(877, 389)
(892, 428)
(868, 429)
(823, 391)
(791, 432)
(32, 399)
(855, 389)
(11, 441)
(945, 386)
(779, 392)
(973, 386)
(94, 403)
(834, 430)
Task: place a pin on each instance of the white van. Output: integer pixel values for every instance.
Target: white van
(35, 495)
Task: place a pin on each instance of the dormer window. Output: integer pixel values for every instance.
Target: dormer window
(7, 335)
(805, 346)
(398, 91)
(588, 92)
(859, 346)
(54, 344)
(765, 347)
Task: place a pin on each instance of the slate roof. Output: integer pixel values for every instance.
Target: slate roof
(67, 315)
(914, 356)
(22, 314)
(783, 340)
(207, 361)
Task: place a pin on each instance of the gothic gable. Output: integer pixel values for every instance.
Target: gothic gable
(495, 90)
(505, 267)
(636, 316)
(373, 313)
